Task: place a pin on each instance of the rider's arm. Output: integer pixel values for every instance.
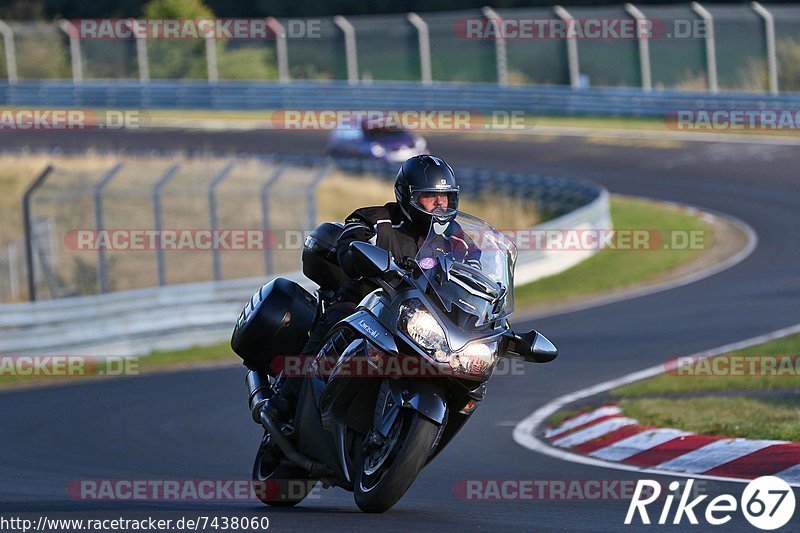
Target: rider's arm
(356, 228)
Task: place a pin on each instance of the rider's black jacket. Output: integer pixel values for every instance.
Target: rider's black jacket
(384, 226)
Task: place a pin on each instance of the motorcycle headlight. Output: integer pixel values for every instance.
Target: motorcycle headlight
(477, 358)
(424, 330)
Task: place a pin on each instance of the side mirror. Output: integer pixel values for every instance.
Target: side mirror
(370, 260)
(532, 347)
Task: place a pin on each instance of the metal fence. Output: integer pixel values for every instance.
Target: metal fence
(135, 322)
(73, 216)
(709, 47)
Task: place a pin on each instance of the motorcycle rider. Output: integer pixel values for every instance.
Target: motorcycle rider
(424, 184)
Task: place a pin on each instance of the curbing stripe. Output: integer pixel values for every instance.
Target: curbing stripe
(633, 445)
(765, 462)
(580, 420)
(670, 450)
(621, 439)
(584, 426)
(593, 432)
(716, 454)
(790, 475)
(610, 438)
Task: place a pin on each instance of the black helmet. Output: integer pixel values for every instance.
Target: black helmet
(421, 174)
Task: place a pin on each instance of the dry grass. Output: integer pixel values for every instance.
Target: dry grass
(67, 200)
(341, 194)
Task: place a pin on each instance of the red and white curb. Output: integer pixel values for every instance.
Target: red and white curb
(607, 434)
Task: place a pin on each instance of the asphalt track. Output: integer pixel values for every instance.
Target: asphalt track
(194, 424)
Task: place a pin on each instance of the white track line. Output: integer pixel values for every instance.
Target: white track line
(524, 432)
(639, 134)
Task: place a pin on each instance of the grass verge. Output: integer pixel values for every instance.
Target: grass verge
(752, 418)
(753, 368)
(722, 394)
(615, 269)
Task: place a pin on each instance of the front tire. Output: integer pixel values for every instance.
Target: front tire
(385, 474)
(277, 482)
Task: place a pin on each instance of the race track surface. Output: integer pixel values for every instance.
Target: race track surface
(195, 425)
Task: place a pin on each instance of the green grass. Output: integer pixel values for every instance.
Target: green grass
(751, 418)
(730, 416)
(699, 379)
(160, 360)
(615, 269)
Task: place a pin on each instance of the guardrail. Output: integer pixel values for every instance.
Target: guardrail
(484, 97)
(138, 321)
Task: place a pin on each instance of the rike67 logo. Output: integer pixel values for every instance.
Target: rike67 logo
(767, 503)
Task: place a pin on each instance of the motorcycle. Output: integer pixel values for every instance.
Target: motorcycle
(367, 419)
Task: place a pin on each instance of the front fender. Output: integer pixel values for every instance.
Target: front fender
(396, 394)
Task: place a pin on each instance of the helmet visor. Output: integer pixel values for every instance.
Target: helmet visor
(428, 200)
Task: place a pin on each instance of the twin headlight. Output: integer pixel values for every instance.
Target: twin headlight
(476, 358)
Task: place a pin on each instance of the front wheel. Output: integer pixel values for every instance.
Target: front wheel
(277, 482)
(386, 471)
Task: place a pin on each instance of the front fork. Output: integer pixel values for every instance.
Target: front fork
(396, 394)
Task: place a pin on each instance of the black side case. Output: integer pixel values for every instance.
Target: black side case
(319, 256)
(276, 321)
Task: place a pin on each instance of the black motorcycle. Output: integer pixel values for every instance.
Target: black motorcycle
(395, 381)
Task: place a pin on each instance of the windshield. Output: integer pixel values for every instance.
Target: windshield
(470, 264)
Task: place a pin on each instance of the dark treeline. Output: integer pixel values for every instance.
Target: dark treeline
(50, 9)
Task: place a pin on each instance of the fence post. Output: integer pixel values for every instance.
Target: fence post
(711, 48)
(499, 46)
(281, 49)
(28, 227)
(349, 48)
(168, 175)
(13, 275)
(265, 216)
(423, 38)
(141, 52)
(102, 273)
(772, 60)
(211, 58)
(572, 49)
(311, 194)
(74, 49)
(642, 29)
(212, 213)
(11, 56)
